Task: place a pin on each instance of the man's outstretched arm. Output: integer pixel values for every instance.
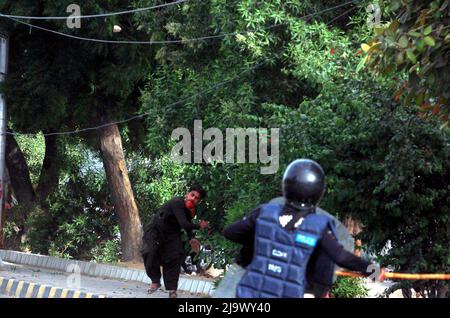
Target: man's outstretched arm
(341, 256)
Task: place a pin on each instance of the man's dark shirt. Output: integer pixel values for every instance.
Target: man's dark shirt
(174, 217)
(243, 232)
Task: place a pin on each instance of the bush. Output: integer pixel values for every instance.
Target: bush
(108, 251)
(77, 217)
(349, 287)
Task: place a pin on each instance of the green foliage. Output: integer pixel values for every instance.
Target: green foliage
(385, 166)
(349, 287)
(33, 149)
(75, 81)
(415, 46)
(73, 237)
(155, 181)
(293, 70)
(69, 85)
(389, 169)
(108, 251)
(78, 216)
(371, 150)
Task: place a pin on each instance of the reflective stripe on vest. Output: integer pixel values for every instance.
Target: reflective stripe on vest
(279, 262)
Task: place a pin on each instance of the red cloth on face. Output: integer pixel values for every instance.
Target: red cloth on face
(191, 207)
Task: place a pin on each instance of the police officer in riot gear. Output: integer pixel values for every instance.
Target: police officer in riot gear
(286, 245)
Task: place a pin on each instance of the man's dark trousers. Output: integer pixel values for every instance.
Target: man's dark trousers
(170, 255)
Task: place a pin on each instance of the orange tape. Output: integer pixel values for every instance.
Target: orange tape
(348, 274)
(418, 276)
(405, 276)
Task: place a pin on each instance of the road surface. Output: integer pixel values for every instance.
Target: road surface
(100, 286)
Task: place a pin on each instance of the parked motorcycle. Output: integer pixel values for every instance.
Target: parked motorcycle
(198, 263)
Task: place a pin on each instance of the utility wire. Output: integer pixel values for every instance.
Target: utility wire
(341, 15)
(176, 41)
(328, 23)
(144, 114)
(177, 102)
(94, 15)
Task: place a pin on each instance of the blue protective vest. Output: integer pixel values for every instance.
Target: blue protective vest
(278, 268)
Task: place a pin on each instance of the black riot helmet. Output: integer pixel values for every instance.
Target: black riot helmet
(304, 182)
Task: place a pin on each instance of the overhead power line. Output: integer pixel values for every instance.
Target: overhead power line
(187, 98)
(176, 41)
(148, 113)
(92, 16)
(341, 15)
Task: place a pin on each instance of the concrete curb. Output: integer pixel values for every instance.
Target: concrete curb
(186, 284)
(23, 289)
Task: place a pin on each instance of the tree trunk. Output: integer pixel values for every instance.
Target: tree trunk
(49, 176)
(20, 180)
(19, 173)
(122, 194)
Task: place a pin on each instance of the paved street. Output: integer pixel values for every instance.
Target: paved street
(108, 287)
(377, 289)
(118, 288)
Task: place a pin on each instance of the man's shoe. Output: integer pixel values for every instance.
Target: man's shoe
(173, 294)
(153, 287)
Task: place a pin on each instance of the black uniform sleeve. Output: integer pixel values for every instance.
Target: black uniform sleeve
(243, 231)
(182, 220)
(342, 257)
